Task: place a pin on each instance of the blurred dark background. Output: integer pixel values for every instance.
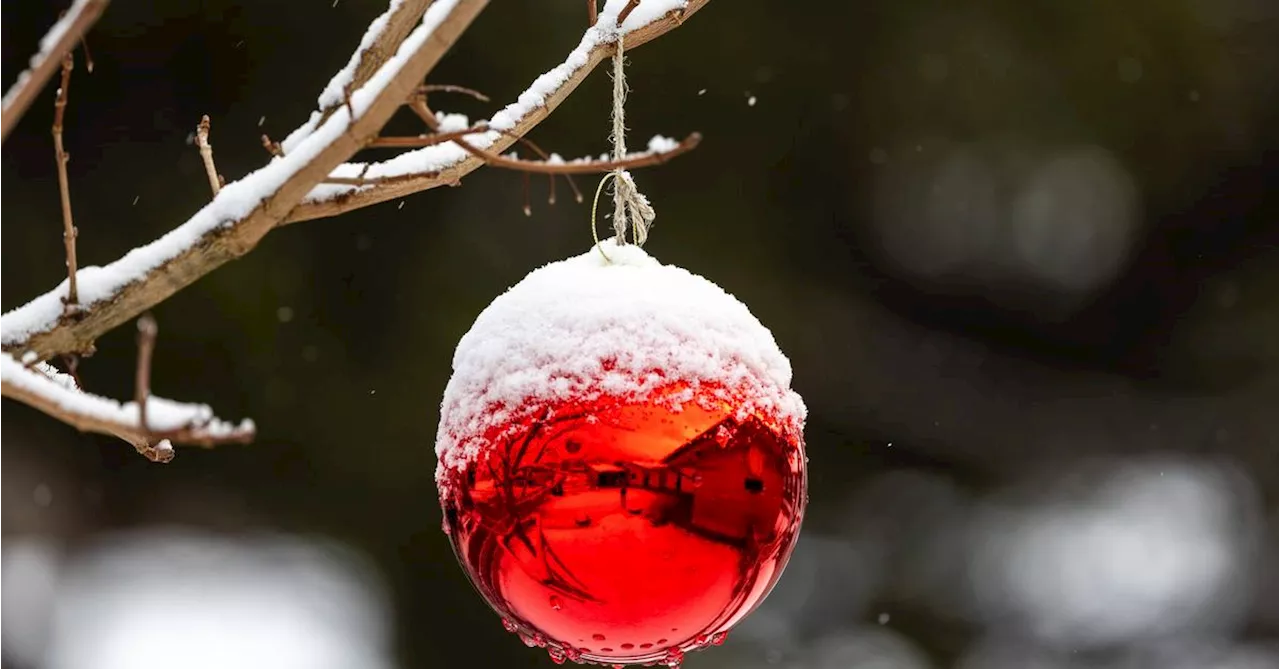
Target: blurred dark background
(1022, 255)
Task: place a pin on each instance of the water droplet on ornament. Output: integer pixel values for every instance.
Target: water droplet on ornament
(555, 602)
(673, 658)
(528, 640)
(661, 641)
(701, 640)
(597, 637)
(628, 646)
(557, 654)
(646, 646)
(539, 640)
(606, 650)
(718, 638)
(508, 625)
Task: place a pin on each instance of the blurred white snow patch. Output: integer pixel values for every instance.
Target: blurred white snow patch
(863, 648)
(1265, 607)
(999, 653)
(937, 215)
(1005, 214)
(828, 583)
(1190, 653)
(1119, 552)
(1200, 653)
(163, 599)
(1075, 218)
(28, 581)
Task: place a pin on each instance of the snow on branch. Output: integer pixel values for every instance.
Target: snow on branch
(383, 35)
(395, 55)
(56, 394)
(660, 150)
(446, 164)
(243, 211)
(55, 44)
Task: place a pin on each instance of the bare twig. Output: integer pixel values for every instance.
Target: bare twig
(328, 203)
(424, 140)
(450, 88)
(69, 231)
(272, 147)
(72, 363)
(418, 104)
(206, 154)
(528, 206)
(147, 330)
(155, 450)
(626, 11)
(88, 57)
(593, 13)
(69, 30)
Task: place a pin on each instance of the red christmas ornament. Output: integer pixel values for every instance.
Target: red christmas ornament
(622, 464)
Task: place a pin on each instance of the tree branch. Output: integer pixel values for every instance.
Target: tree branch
(421, 170)
(56, 394)
(380, 41)
(658, 153)
(353, 109)
(55, 45)
(243, 212)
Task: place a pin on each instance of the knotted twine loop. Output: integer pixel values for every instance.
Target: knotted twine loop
(629, 205)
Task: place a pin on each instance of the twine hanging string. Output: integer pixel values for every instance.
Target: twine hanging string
(630, 206)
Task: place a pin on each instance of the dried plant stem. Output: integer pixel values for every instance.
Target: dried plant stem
(272, 147)
(69, 231)
(147, 330)
(626, 11)
(206, 154)
(419, 142)
(450, 88)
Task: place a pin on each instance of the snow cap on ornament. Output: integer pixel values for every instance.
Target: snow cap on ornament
(612, 322)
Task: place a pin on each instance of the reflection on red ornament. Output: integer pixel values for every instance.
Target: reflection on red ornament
(619, 532)
(622, 465)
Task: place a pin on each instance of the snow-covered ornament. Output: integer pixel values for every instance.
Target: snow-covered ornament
(621, 458)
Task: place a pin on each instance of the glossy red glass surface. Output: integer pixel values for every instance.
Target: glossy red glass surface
(628, 534)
